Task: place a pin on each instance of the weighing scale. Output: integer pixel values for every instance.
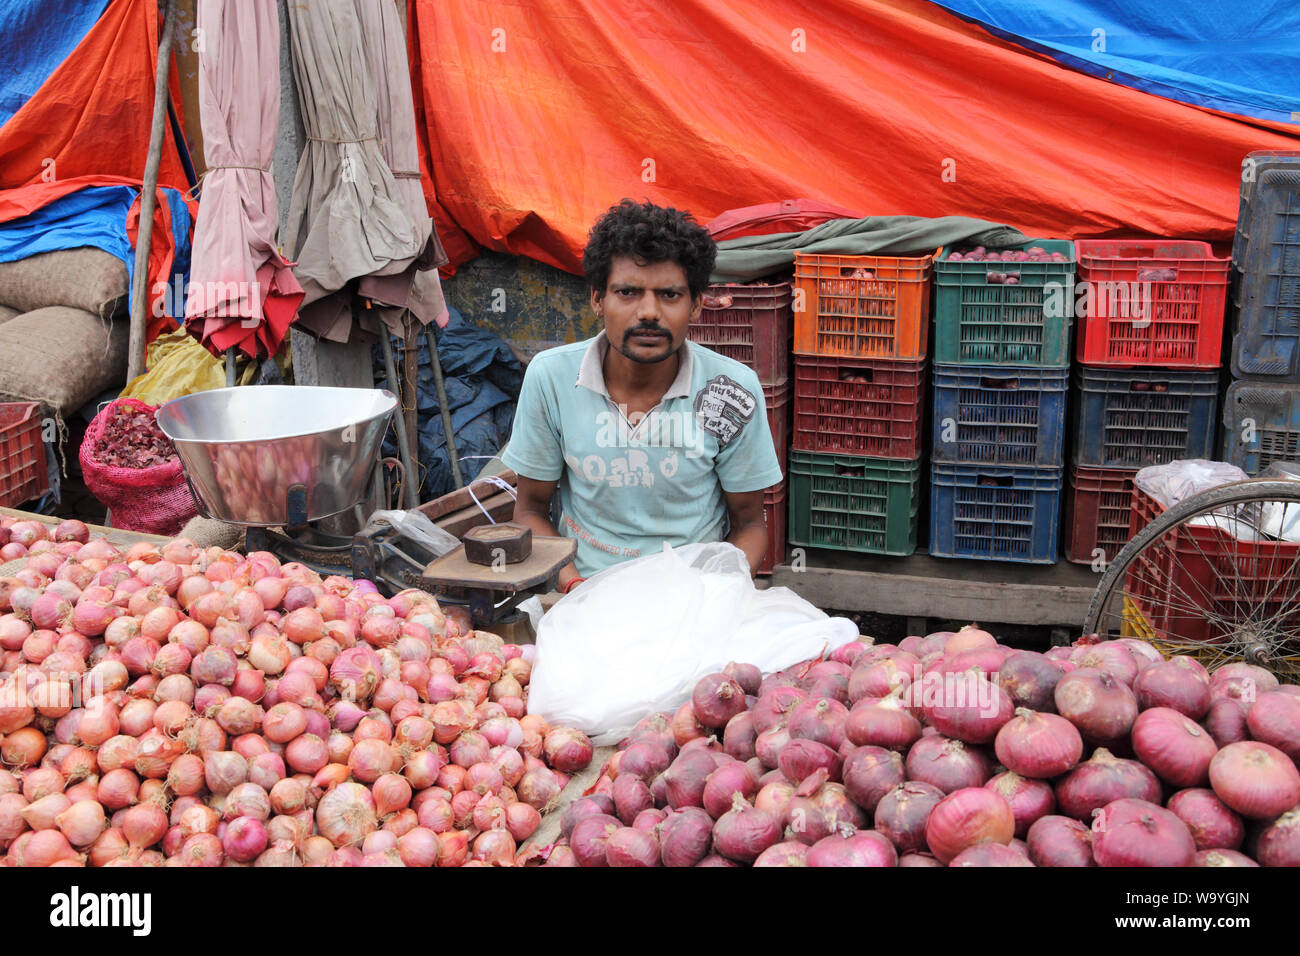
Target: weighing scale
(277, 459)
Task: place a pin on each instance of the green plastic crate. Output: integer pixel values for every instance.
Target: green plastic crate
(853, 503)
(978, 322)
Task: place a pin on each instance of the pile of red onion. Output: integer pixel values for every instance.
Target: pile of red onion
(179, 706)
(954, 750)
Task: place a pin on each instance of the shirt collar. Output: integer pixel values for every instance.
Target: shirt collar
(591, 373)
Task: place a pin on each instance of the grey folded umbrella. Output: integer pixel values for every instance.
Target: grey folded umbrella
(348, 216)
(416, 289)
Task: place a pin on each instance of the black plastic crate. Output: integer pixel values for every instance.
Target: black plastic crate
(1131, 418)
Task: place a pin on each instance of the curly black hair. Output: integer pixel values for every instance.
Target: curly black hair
(649, 234)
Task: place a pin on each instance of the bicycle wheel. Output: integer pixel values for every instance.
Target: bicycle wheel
(1204, 578)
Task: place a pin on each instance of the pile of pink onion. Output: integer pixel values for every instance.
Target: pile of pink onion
(179, 706)
(952, 749)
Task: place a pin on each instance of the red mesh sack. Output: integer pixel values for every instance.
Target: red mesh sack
(154, 500)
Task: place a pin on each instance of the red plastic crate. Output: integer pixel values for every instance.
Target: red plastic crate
(836, 412)
(777, 399)
(1214, 575)
(1182, 323)
(862, 306)
(23, 476)
(1097, 512)
(774, 513)
(751, 324)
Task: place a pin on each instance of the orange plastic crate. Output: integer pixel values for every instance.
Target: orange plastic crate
(23, 476)
(862, 306)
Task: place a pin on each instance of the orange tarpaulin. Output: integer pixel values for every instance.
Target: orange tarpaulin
(92, 116)
(538, 116)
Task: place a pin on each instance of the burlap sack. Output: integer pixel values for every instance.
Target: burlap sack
(61, 356)
(208, 533)
(87, 278)
(7, 313)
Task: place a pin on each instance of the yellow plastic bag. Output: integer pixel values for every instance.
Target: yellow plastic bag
(178, 365)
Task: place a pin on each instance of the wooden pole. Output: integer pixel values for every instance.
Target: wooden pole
(411, 383)
(144, 237)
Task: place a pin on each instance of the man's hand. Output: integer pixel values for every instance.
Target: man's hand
(533, 510)
(748, 527)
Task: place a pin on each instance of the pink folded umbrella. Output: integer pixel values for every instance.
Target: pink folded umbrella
(243, 293)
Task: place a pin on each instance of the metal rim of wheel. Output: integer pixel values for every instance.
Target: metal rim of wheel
(1187, 586)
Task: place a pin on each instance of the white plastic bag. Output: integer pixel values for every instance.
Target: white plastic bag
(417, 526)
(1179, 480)
(634, 639)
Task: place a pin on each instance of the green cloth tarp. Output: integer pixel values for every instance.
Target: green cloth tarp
(752, 257)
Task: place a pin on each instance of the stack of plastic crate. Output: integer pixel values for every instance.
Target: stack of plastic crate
(1261, 412)
(1146, 387)
(861, 335)
(752, 324)
(1001, 354)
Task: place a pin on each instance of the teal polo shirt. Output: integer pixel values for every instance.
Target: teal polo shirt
(627, 488)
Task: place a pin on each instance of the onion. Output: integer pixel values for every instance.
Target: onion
(882, 721)
(965, 818)
(870, 773)
(747, 676)
(821, 813)
(773, 708)
(819, 719)
(244, 839)
(1060, 841)
(1278, 844)
(968, 638)
(1223, 858)
(685, 837)
(1255, 779)
(801, 759)
(716, 699)
(1274, 719)
(1174, 746)
(1038, 745)
(1099, 704)
(1111, 657)
(1104, 779)
(852, 848)
(744, 831)
(1213, 826)
(1028, 799)
(1131, 832)
(585, 807)
(883, 676)
(685, 779)
(720, 787)
(538, 788)
(1030, 680)
(647, 760)
(966, 706)
(1226, 721)
(947, 764)
(1180, 684)
(630, 847)
(787, 853)
(590, 837)
(346, 815)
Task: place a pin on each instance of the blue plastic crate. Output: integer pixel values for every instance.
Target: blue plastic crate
(995, 513)
(1267, 253)
(999, 415)
(1131, 418)
(1261, 425)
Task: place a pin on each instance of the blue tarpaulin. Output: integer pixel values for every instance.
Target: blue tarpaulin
(1234, 57)
(482, 379)
(96, 217)
(38, 36)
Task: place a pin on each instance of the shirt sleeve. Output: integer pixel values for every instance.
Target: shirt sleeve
(749, 461)
(534, 450)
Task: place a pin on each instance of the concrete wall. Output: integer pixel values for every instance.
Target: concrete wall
(530, 305)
